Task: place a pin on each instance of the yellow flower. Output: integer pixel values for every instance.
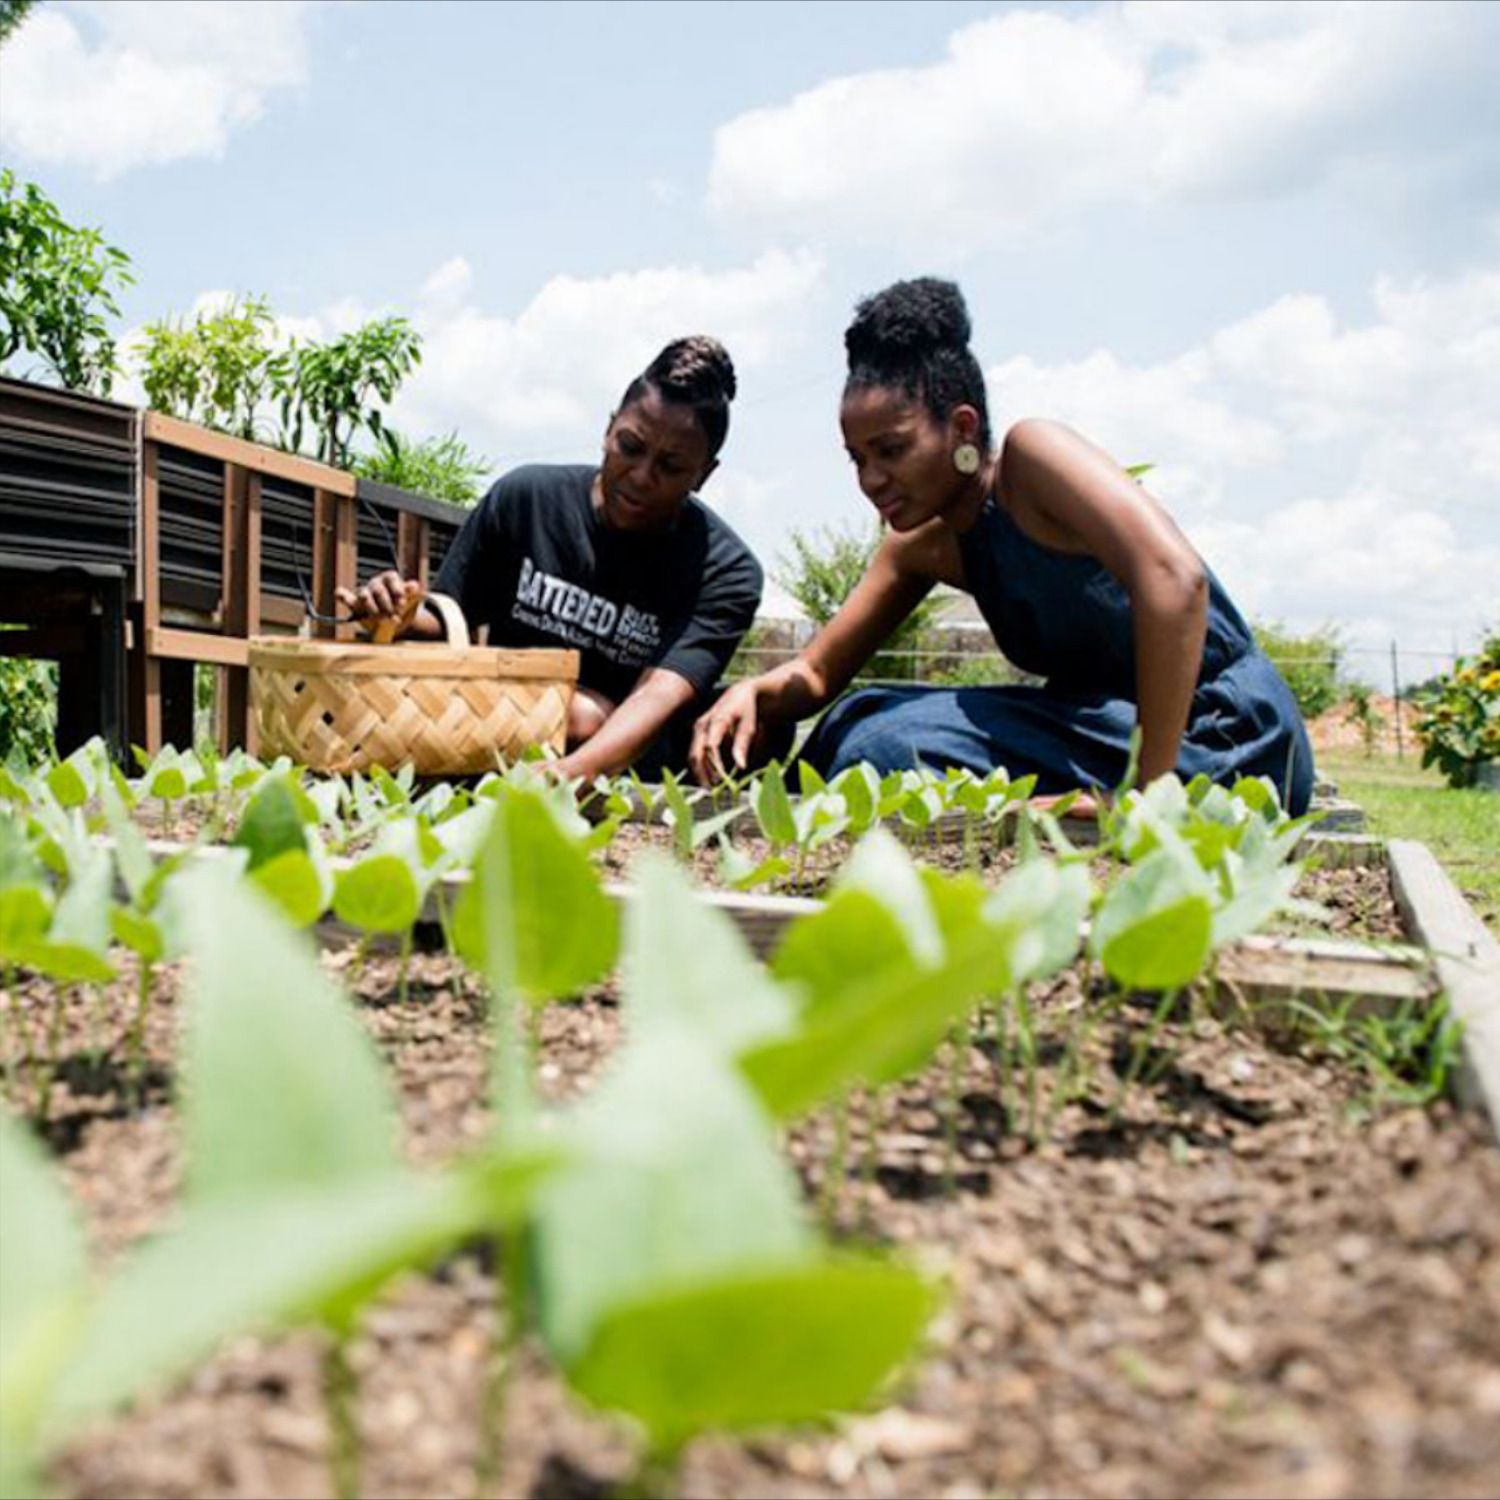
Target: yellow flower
(1490, 682)
(1465, 675)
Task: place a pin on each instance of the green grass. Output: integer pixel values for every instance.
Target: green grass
(1462, 828)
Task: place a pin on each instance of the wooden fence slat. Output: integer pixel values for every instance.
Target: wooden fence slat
(1468, 965)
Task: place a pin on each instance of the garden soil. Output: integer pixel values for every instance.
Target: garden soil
(1247, 1279)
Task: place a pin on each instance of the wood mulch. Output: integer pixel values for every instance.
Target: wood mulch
(1244, 1278)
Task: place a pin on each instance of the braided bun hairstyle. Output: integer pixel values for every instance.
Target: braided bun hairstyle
(914, 337)
(695, 372)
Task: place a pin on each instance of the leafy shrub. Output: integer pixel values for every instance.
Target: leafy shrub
(822, 572)
(1460, 723)
(442, 467)
(1360, 710)
(971, 671)
(216, 369)
(333, 387)
(1309, 664)
(56, 284)
(28, 709)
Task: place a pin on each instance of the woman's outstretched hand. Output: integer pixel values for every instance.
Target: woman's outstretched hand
(733, 719)
(387, 596)
(1079, 804)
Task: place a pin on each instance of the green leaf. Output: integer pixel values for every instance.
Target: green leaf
(686, 965)
(284, 1088)
(773, 808)
(297, 884)
(1258, 895)
(1154, 929)
(43, 1261)
(739, 872)
(274, 820)
(140, 934)
(675, 1176)
(379, 894)
(25, 912)
(1047, 903)
(67, 784)
(274, 1258)
(535, 918)
(854, 939)
(859, 786)
(881, 866)
(765, 1348)
(679, 812)
(886, 1026)
(76, 945)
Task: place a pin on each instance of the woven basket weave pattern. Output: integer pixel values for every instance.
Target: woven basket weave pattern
(446, 710)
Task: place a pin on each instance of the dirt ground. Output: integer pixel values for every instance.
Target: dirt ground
(1334, 730)
(1241, 1277)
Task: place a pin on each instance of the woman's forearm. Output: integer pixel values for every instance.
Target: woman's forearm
(1170, 622)
(630, 728)
(794, 690)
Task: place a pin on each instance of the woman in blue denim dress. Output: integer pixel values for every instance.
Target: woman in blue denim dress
(1083, 577)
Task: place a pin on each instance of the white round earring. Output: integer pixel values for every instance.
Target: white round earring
(966, 458)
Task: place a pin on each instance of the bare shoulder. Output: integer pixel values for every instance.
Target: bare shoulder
(1035, 444)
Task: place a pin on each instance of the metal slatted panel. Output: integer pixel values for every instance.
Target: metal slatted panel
(286, 537)
(67, 476)
(377, 546)
(190, 487)
(440, 535)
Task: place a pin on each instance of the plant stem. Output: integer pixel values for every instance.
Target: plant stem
(406, 946)
(1028, 1055)
(837, 1165)
(138, 1031)
(341, 1392)
(870, 1160)
(659, 1477)
(514, 1038)
(357, 967)
(1141, 1048)
(957, 1049)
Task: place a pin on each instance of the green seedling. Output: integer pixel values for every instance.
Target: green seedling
(678, 1224)
(296, 1210)
(690, 832)
(536, 922)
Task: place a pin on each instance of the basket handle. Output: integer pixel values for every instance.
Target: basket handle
(388, 627)
(454, 624)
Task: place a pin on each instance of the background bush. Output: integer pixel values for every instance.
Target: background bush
(821, 573)
(28, 709)
(1460, 723)
(1309, 664)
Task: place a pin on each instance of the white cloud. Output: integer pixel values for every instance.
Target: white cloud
(112, 86)
(1167, 415)
(1034, 114)
(1327, 471)
(544, 379)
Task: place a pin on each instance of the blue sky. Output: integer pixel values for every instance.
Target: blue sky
(1256, 244)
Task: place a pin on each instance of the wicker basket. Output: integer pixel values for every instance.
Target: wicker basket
(447, 710)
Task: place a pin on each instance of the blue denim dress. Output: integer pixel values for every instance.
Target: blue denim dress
(1067, 619)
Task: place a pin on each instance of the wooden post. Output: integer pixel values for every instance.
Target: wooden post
(345, 553)
(241, 595)
(325, 528)
(1396, 702)
(144, 669)
(411, 546)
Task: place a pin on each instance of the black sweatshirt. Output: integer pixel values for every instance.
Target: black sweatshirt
(541, 568)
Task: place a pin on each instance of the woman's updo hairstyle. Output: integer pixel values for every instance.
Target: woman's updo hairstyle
(696, 372)
(914, 337)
